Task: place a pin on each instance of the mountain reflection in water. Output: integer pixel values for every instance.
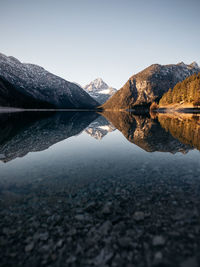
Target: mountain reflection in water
(146, 132)
(24, 132)
(184, 127)
(21, 133)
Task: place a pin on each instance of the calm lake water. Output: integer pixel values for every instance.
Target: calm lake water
(138, 177)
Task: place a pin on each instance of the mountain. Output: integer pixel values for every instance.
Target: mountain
(185, 92)
(31, 86)
(24, 132)
(145, 132)
(149, 85)
(99, 90)
(99, 128)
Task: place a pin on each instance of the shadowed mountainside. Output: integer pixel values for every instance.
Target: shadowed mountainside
(11, 97)
(35, 87)
(21, 133)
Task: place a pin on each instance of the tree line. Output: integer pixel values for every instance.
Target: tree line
(187, 91)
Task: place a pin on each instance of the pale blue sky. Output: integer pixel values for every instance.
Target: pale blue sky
(80, 40)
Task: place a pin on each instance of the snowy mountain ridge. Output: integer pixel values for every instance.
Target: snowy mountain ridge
(99, 90)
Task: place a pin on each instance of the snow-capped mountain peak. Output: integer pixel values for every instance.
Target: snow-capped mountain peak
(181, 64)
(96, 85)
(194, 65)
(100, 90)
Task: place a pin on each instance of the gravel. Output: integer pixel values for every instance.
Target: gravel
(141, 220)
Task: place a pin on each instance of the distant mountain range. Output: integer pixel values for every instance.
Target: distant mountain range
(99, 90)
(31, 86)
(149, 85)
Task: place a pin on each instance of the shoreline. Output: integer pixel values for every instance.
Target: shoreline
(178, 110)
(11, 109)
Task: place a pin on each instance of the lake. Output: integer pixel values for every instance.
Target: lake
(99, 189)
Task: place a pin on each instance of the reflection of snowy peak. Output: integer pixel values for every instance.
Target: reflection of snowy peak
(99, 90)
(99, 128)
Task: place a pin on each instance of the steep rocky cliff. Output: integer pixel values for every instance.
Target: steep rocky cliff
(149, 85)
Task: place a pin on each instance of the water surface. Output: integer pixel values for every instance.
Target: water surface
(138, 177)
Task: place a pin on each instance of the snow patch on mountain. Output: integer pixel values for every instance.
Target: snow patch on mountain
(100, 90)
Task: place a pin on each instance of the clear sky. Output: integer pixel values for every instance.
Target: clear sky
(80, 40)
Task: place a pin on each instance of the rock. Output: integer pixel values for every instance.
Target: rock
(103, 258)
(191, 262)
(90, 206)
(79, 217)
(124, 242)
(158, 241)
(29, 247)
(107, 209)
(72, 232)
(59, 243)
(105, 228)
(6, 231)
(138, 216)
(158, 256)
(44, 236)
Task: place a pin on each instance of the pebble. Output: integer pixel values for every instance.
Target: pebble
(44, 236)
(107, 209)
(29, 247)
(80, 217)
(190, 262)
(138, 216)
(105, 227)
(158, 241)
(158, 256)
(99, 228)
(124, 242)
